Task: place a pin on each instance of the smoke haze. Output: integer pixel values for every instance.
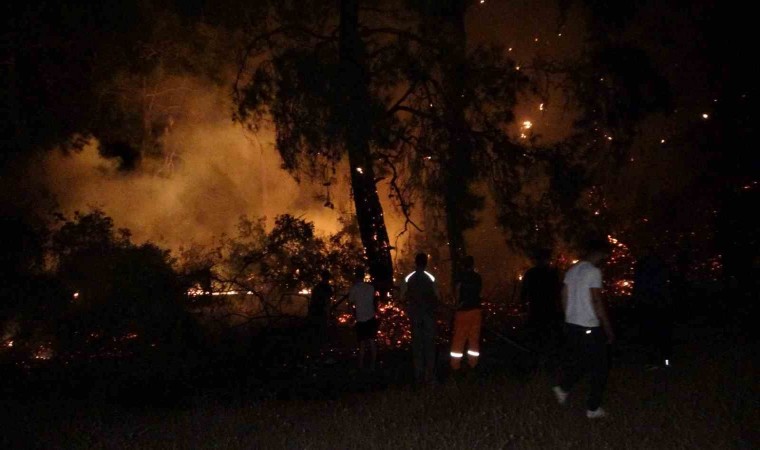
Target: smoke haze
(212, 172)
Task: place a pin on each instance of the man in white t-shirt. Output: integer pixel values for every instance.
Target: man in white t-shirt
(362, 295)
(587, 328)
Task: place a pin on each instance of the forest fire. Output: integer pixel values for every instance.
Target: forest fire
(192, 191)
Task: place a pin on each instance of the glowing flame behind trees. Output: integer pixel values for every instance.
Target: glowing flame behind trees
(436, 107)
(315, 85)
(551, 195)
(458, 99)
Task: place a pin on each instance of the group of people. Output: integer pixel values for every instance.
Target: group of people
(587, 327)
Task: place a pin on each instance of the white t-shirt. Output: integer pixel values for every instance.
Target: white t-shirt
(579, 280)
(363, 296)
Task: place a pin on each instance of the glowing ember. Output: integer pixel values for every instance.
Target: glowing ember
(620, 266)
(43, 353)
(305, 291)
(75, 295)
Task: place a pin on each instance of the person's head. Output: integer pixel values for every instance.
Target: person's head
(325, 275)
(542, 256)
(421, 260)
(596, 250)
(468, 263)
(359, 273)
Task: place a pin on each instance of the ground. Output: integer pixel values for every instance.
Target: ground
(708, 399)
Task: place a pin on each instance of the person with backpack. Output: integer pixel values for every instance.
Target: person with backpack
(420, 293)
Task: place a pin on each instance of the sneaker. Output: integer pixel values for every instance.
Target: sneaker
(560, 394)
(598, 413)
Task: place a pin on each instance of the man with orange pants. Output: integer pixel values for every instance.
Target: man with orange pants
(468, 317)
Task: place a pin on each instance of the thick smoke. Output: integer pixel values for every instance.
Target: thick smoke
(211, 172)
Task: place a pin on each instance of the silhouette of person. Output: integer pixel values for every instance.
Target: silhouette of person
(651, 292)
(540, 291)
(468, 317)
(420, 293)
(319, 306)
(362, 295)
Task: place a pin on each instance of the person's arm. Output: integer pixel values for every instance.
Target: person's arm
(600, 309)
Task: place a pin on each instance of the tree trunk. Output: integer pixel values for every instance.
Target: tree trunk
(457, 169)
(356, 108)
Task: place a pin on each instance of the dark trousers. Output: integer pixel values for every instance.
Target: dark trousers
(657, 333)
(423, 346)
(586, 353)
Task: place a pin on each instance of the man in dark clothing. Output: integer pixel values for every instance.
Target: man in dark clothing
(651, 292)
(420, 293)
(468, 317)
(319, 306)
(540, 291)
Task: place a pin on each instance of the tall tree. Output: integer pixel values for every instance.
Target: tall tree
(316, 89)
(459, 201)
(356, 117)
(455, 113)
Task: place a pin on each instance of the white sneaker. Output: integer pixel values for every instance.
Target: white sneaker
(598, 413)
(560, 394)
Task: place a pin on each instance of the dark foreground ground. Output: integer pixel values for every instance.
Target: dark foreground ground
(708, 399)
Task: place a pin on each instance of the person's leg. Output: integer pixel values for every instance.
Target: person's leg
(362, 347)
(598, 364)
(417, 347)
(573, 364)
(667, 337)
(458, 340)
(474, 323)
(653, 325)
(373, 354)
(429, 347)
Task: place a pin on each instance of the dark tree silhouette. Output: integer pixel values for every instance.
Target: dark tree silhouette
(314, 83)
(356, 115)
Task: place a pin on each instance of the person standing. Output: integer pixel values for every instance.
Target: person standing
(319, 308)
(651, 293)
(420, 293)
(588, 330)
(468, 317)
(540, 291)
(362, 295)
